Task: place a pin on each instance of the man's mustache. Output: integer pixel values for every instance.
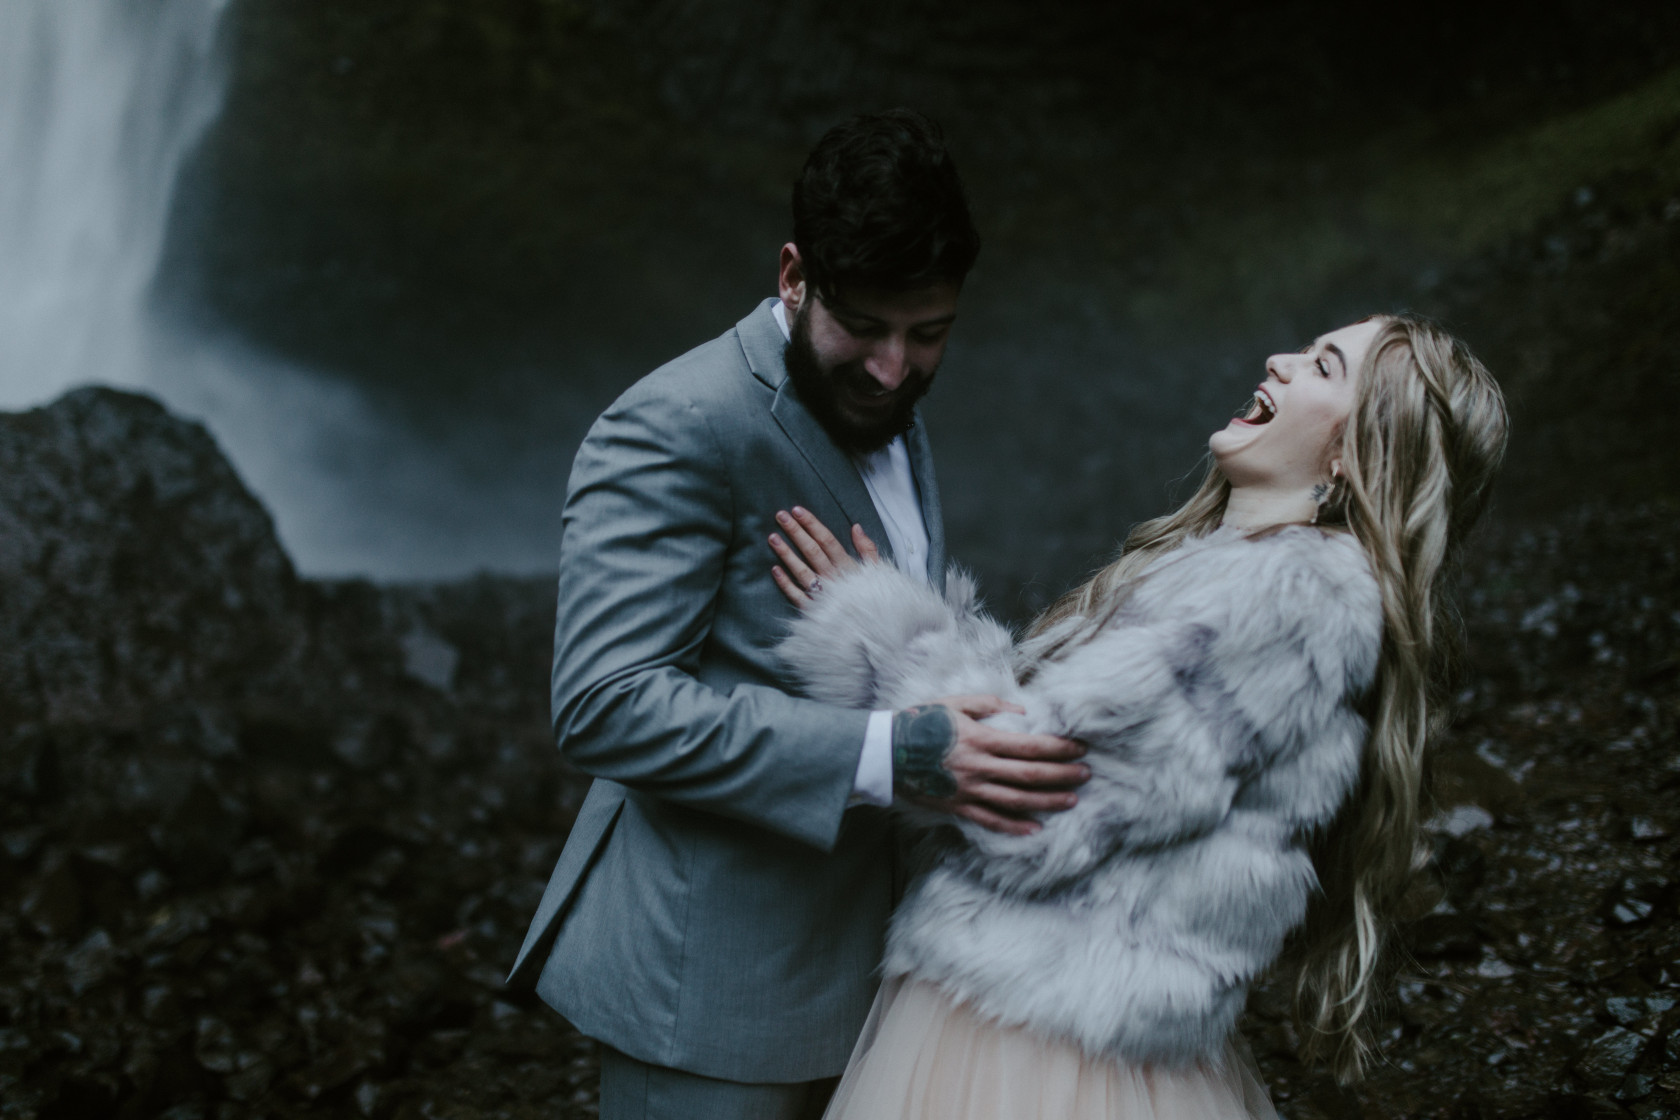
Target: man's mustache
(855, 378)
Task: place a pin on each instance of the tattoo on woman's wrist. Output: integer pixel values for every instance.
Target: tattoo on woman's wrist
(921, 738)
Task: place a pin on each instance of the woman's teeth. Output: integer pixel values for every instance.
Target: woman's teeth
(1264, 407)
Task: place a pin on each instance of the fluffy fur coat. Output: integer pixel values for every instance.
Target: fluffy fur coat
(1219, 705)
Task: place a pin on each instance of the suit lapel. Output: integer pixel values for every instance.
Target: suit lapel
(927, 489)
(763, 345)
(836, 469)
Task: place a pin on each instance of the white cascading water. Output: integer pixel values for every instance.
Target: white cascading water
(101, 102)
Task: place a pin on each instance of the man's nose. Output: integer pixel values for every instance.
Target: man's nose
(887, 364)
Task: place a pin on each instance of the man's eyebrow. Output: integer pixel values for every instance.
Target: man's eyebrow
(943, 320)
(846, 311)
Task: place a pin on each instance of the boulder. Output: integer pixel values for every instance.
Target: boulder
(137, 567)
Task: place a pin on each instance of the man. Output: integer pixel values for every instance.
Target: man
(718, 911)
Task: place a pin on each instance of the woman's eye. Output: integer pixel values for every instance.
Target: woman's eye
(1323, 367)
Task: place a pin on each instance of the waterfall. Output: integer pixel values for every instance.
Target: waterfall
(100, 102)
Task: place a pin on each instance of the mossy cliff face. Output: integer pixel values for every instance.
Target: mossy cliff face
(502, 212)
(514, 157)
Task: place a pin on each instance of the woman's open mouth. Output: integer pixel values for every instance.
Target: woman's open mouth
(1261, 410)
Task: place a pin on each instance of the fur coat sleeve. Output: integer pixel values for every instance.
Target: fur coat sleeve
(1235, 667)
(1220, 706)
(1233, 656)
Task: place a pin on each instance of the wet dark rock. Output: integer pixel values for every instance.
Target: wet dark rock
(198, 834)
(1462, 866)
(370, 742)
(1635, 900)
(197, 728)
(160, 1004)
(1647, 829)
(1541, 971)
(91, 962)
(76, 1097)
(1444, 936)
(137, 566)
(276, 736)
(1610, 1056)
(32, 770)
(215, 1047)
(54, 902)
(1638, 1013)
(248, 818)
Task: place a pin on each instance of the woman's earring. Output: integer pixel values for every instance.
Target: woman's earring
(1329, 498)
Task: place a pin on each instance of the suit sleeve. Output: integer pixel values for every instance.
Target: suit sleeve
(647, 529)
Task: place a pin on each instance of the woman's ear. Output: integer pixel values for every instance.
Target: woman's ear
(1335, 469)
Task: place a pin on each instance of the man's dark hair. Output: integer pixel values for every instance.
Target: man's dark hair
(879, 205)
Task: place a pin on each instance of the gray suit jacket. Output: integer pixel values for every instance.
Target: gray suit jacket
(717, 908)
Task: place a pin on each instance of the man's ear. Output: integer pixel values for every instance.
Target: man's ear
(791, 278)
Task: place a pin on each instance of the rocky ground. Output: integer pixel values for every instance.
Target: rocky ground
(1544, 969)
(272, 842)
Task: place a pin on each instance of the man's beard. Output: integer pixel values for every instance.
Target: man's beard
(819, 390)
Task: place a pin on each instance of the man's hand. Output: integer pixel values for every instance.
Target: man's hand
(944, 759)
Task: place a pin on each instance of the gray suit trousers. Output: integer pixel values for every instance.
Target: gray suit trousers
(632, 1090)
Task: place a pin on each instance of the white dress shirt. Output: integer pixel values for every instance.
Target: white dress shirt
(892, 489)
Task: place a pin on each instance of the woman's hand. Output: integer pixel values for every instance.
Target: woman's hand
(814, 555)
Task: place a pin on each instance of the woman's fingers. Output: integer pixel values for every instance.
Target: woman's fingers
(790, 590)
(825, 540)
(810, 551)
(796, 567)
(866, 549)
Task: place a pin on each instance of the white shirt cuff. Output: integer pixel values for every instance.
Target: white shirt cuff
(874, 782)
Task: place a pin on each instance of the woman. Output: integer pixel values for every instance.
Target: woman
(1256, 677)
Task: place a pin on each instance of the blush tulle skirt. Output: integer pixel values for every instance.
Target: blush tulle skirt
(923, 1057)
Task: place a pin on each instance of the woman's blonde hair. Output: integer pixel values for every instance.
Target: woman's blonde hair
(1423, 439)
